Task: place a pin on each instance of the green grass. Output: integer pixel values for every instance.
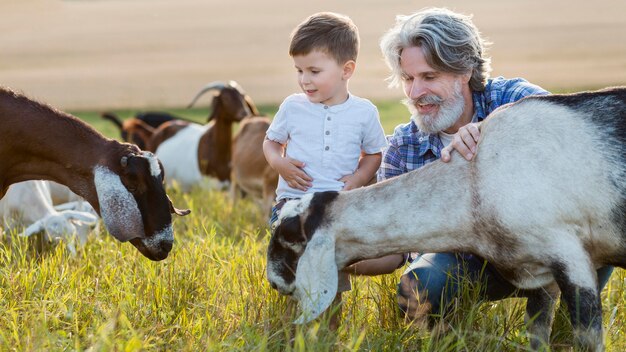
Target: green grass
(211, 294)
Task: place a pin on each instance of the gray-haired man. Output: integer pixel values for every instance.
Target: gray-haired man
(438, 57)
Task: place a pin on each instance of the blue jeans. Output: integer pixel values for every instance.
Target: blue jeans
(436, 278)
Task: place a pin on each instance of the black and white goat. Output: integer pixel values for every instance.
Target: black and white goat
(544, 201)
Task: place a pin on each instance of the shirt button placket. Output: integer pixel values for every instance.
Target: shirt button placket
(327, 137)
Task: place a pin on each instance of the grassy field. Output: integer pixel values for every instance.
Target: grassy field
(211, 293)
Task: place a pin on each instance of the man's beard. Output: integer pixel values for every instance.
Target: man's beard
(448, 114)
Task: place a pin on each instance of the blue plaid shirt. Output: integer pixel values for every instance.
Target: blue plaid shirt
(409, 148)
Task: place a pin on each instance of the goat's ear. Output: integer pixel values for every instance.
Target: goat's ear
(33, 229)
(82, 216)
(176, 211)
(316, 278)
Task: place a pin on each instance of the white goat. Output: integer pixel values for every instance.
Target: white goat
(544, 201)
(29, 204)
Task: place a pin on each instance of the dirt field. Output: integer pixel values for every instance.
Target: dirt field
(93, 54)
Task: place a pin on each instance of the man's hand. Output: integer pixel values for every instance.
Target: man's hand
(464, 142)
(291, 170)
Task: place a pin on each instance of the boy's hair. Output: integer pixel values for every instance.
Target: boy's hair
(450, 43)
(332, 33)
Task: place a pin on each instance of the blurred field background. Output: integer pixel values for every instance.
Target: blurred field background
(86, 56)
(103, 54)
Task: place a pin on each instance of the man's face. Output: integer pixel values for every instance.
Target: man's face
(321, 78)
(435, 98)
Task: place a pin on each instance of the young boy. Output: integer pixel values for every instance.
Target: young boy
(324, 139)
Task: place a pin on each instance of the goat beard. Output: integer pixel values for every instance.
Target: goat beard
(448, 114)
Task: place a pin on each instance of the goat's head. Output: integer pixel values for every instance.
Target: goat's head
(133, 204)
(301, 254)
(229, 101)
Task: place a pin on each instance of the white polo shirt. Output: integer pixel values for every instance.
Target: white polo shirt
(328, 139)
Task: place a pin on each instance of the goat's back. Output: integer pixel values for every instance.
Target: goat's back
(558, 161)
(164, 132)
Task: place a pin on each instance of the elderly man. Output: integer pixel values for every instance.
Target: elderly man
(438, 57)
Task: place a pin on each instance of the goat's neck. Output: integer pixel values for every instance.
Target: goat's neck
(429, 211)
(215, 154)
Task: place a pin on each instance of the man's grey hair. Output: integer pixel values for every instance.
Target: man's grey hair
(450, 43)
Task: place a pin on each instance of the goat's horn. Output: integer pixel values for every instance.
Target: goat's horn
(217, 85)
(236, 85)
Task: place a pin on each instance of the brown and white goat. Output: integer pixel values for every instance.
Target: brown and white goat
(140, 128)
(189, 151)
(544, 201)
(251, 174)
(123, 184)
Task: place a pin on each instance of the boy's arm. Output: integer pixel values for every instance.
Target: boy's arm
(289, 169)
(368, 165)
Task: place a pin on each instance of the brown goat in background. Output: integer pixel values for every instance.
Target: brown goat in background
(251, 174)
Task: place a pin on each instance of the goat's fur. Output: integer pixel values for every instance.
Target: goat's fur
(251, 174)
(543, 200)
(189, 151)
(140, 128)
(123, 184)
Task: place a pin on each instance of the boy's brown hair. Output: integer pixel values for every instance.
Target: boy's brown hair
(329, 32)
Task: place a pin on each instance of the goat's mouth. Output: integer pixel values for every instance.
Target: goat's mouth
(156, 247)
(152, 252)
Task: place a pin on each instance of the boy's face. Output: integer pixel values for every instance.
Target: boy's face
(322, 79)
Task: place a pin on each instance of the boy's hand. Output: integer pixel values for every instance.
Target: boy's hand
(464, 142)
(350, 182)
(291, 170)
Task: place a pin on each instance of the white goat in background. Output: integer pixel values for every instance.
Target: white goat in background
(29, 204)
(544, 201)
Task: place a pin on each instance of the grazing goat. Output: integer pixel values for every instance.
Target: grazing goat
(29, 203)
(123, 184)
(189, 150)
(251, 174)
(544, 201)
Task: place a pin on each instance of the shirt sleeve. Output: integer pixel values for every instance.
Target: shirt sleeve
(392, 164)
(374, 140)
(279, 128)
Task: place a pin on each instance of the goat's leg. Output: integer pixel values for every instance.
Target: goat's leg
(580, 293)
(539, 315)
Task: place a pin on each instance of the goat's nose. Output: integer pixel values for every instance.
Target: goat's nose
(274, 286)
(166, 246)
